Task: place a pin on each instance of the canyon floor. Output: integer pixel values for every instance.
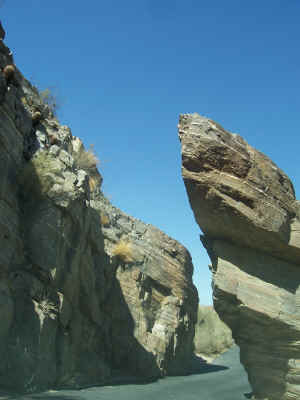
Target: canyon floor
(223, 379)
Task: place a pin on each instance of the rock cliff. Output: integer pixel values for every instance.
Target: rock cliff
(212, 336)
(88, 294)
(246, 208)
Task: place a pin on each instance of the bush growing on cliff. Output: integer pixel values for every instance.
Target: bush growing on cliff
(86, 160)
(93, 183)
(49, 100)
(104, 219)
(123, 251)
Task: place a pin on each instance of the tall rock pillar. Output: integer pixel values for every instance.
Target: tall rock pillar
(246, 208)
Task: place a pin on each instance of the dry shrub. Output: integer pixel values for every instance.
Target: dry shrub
(27, 101)
(36, 117)
(104, 219)
(86, 160)
(9, 72)
(49, 99)
(92, 183)
(123, 251)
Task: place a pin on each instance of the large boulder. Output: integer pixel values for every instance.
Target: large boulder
(246, 208)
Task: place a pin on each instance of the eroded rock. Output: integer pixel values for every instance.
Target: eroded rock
(246, 208)
(73, 314)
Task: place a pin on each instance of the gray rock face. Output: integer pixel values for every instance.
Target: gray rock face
(88, 295)
(157, 288)
(212, 336)
(246, 208)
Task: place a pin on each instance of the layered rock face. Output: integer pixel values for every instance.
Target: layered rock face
(76, 307)
(212, 336)
(155, 283)
(246, 208)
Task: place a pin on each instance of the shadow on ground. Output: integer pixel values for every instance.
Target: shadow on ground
(39, 396)
(49, 396)
(228, 383)
(200, 366)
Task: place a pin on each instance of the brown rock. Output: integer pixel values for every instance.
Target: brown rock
(9, 72)
(246, 208)
(36, 117)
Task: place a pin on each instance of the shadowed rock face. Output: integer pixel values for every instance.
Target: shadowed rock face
(73, 313)
(246, 208)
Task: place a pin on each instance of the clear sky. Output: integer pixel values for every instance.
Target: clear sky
(123, 71)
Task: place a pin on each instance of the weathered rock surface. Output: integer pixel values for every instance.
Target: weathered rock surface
(73, 313)
(157, 288)
(212, 336)
(246, 208)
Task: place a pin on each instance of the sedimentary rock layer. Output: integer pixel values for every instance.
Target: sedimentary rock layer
(246, 208)
(75, 311)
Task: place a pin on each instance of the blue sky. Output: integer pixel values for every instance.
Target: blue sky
(123, 71)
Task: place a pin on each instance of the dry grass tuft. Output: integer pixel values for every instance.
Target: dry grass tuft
(123, 251)
(49, 99)
(104, 219)
(86, 160)
(9, 71)
(92, 183)
(27, 101)
(36, 117)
